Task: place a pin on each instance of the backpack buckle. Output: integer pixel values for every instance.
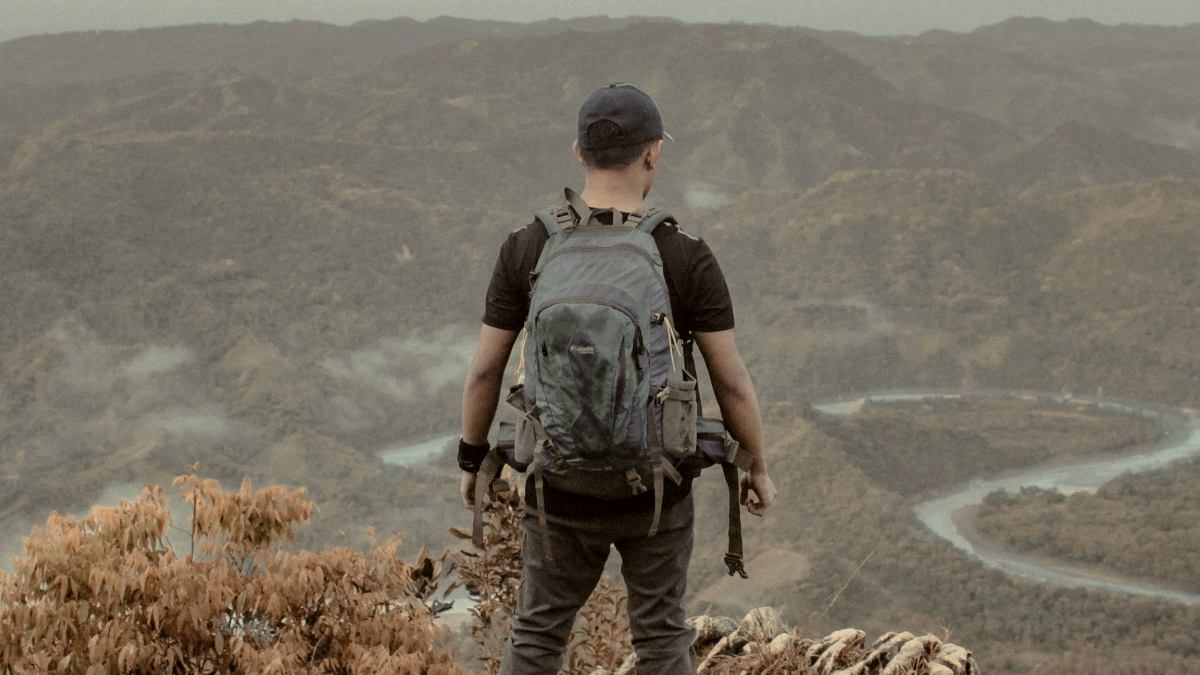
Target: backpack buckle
(635, 481)
(734, 562)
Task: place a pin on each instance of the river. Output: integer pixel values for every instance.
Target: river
(411, 454)
(951, 515)
(421, 452)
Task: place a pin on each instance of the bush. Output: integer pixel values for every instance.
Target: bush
(600, 639)
(108, 594)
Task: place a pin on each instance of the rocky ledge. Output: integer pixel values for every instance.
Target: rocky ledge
(761, 643)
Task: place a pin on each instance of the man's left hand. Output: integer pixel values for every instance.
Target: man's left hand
(466, 489)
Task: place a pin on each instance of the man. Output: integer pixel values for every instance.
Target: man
(620, 143)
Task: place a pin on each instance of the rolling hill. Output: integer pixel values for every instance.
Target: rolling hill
(264, 248)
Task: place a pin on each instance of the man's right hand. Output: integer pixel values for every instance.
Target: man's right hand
(760, 483)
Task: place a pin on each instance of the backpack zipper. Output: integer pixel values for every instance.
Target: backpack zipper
(593, 247)
(639, 344)
(639, 251)
(620, 385)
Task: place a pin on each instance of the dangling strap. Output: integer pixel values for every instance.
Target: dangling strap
(733, 556)
(662, 468)
(492, 464)
(661, 465)
(735, 457)
(539, 488)
(658, 498)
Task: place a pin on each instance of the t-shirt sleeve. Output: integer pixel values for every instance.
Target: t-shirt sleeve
(507, 300)
(711, 308)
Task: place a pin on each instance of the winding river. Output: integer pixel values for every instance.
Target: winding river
(950, 515)
(411, 454)
(421, 452)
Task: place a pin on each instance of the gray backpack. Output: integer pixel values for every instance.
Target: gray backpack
(606, 388)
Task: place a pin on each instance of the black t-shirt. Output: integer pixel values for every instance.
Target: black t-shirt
(699, 302)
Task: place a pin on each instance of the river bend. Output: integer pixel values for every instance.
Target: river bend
(950, 515)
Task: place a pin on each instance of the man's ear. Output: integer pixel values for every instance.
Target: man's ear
(653, 154)
(578, 153)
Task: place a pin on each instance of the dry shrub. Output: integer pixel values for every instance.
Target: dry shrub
(493, 575)
(600, 639)
(108, 594)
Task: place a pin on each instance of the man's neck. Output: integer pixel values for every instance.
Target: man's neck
(613, 190)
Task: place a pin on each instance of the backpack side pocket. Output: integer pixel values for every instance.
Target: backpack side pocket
(525, 442)
(679, 419)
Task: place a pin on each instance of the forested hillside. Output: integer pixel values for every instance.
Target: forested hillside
(264, 248)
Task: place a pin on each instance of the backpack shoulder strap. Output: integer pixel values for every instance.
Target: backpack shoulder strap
(653, 219)
(552, 219)
(583, 213)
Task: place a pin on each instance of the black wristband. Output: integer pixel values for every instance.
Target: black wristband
(470, 457)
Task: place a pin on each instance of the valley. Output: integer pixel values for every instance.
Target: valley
(277, 270)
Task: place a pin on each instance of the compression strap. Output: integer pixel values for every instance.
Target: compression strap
(491, 465)
(539, 486)
(733, 556)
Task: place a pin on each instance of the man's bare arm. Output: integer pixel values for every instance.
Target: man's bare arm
(739, 410)
(481, 393)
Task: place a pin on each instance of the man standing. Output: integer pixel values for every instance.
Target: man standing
(620, 143)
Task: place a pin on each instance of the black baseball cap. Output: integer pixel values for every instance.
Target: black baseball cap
(630, 108)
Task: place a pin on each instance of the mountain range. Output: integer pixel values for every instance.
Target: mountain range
(264, 247)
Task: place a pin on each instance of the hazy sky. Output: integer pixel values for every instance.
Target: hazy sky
(25, 17)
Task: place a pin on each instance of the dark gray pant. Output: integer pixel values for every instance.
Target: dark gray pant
(552, 591)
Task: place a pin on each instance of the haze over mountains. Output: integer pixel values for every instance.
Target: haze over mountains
(264, 248)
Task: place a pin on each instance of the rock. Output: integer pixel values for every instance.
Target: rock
(782, 643)
(836, 650)
(955, 660)
(761, 640)
(710, 629)
(762, 624)
(913, 656)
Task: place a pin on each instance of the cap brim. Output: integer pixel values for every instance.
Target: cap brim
(667, 136)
